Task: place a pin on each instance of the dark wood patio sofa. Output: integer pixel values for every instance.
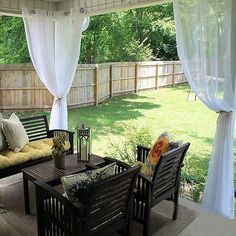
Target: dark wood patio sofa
(37, 128)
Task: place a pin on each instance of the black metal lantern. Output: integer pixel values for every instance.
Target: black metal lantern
(84, 143)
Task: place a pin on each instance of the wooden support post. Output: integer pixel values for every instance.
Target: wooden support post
(96, 80)
(173, 75)
(111, 81)
(136, 78)
(157, 75)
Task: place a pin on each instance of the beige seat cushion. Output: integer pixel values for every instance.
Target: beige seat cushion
(31, 151)
(15, 133)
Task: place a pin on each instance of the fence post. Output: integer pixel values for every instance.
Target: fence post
(111, 81)
(173, 75)
(96, 79)
(157, 75)
(136, 78)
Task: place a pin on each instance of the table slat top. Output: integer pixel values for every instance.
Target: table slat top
(46, 171)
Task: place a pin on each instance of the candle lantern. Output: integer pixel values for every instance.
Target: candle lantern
(84, 143)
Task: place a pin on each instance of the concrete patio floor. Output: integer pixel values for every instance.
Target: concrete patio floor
(206, 223)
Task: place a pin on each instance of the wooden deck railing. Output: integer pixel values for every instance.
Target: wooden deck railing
(22, 90)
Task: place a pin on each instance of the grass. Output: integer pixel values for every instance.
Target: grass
(159, 110)
(165, 109)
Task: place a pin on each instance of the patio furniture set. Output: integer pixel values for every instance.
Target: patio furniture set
(111, 203)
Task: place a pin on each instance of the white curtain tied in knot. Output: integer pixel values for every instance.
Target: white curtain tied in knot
(54, 40)
(219, 191)
(206, 47)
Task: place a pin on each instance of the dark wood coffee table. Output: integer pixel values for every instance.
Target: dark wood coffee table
(47, 173)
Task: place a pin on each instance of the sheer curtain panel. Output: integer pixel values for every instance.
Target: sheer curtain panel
(205, 42)
(54, 40)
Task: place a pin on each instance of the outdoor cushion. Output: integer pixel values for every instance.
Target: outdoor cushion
(3, 143)
(145, 169)
(31, 151)
(160, 146)
(77, 185)
(14, 132)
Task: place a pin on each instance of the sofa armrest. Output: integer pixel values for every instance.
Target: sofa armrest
(69, 134)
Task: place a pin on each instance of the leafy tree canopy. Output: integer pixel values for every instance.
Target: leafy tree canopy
(132, 35)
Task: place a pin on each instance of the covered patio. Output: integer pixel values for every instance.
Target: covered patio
(201, 222)
(207, 85)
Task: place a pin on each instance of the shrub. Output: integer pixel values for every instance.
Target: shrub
(125, 148)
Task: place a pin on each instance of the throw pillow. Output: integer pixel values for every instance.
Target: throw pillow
(160, 146)
(3, 143)
(145, 168)
(176, 144)
(77, 186)
(15, 133)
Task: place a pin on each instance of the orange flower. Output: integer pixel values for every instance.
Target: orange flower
(159, 147)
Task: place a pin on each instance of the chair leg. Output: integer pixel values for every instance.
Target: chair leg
(176, 206)
(146, 223)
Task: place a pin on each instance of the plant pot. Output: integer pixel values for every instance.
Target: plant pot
(59, 162)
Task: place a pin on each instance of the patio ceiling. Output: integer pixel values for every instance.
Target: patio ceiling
(93, 7)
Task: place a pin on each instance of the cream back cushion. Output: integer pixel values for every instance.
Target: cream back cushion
(3, 143)
(15, 133)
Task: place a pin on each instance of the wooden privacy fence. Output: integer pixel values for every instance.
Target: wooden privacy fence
(21, 89)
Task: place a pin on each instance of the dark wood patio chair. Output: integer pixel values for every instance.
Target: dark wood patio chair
(108, 207)
(163, 185)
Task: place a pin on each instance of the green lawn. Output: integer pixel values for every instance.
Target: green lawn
(159, 110)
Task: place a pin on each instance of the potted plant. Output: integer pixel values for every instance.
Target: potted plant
(59, 152)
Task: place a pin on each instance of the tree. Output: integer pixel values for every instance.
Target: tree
(13, 46)
(134, 35)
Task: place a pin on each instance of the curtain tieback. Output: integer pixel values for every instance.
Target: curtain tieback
(58, 100)
(224, 112)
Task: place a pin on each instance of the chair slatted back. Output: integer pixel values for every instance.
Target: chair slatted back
(36, 127)
(166, 176)
(142, 153)
(111, 201)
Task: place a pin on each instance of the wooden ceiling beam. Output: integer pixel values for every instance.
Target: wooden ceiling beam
(92, 7)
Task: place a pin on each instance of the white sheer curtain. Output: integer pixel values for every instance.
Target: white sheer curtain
(54, 40)
(205, 48)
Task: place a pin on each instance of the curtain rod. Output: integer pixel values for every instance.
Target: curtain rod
(82, 10)
(105, 5)
(89, 9)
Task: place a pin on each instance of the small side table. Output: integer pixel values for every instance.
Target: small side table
(47, 173)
